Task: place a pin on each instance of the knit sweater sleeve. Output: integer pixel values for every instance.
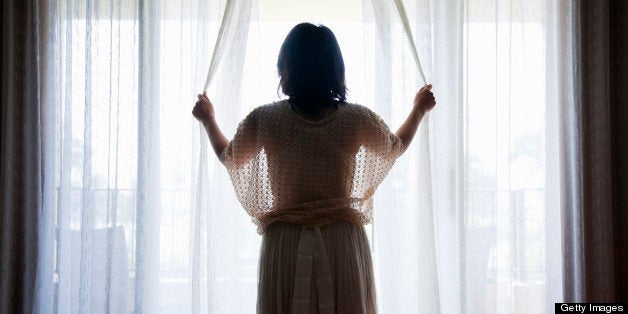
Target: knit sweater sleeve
(378, 138)
(244, 145)
(378, 150)
(243, 158)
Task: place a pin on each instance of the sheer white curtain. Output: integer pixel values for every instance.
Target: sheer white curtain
(133, 231)
(501, 72)
(466, 221)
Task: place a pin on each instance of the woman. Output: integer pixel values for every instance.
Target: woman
(305, 169)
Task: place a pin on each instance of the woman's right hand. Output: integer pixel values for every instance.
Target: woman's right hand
(424, 99)
(203, 109)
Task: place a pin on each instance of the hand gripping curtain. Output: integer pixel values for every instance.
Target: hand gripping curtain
(419, 292)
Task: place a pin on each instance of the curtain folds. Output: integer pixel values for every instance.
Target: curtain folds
(23, 156)
(409, 280)
(595, 120)
(619, 88)
(563, 43)
(447, 147)
(601, 113)
(112, 201)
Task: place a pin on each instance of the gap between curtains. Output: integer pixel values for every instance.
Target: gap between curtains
(386, 14)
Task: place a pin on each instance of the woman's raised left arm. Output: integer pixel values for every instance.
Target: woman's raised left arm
(204, 112)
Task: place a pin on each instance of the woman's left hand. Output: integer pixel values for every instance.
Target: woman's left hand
(203, 109)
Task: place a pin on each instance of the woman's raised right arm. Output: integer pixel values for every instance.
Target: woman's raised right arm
(424, 101)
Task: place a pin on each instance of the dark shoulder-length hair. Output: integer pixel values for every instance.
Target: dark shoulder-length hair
(310, 64)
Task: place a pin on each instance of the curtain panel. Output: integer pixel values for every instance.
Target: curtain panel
(619, 88)
(602, 115)
(26, 158)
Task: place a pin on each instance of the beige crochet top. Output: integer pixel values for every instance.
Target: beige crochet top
(286, 168)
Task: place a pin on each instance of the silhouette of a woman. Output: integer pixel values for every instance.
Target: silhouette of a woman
(306, 169)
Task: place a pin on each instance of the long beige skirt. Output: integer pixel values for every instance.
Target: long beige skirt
(350, 261)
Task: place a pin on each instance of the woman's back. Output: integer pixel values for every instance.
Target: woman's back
(309, 161)
(286, 168)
